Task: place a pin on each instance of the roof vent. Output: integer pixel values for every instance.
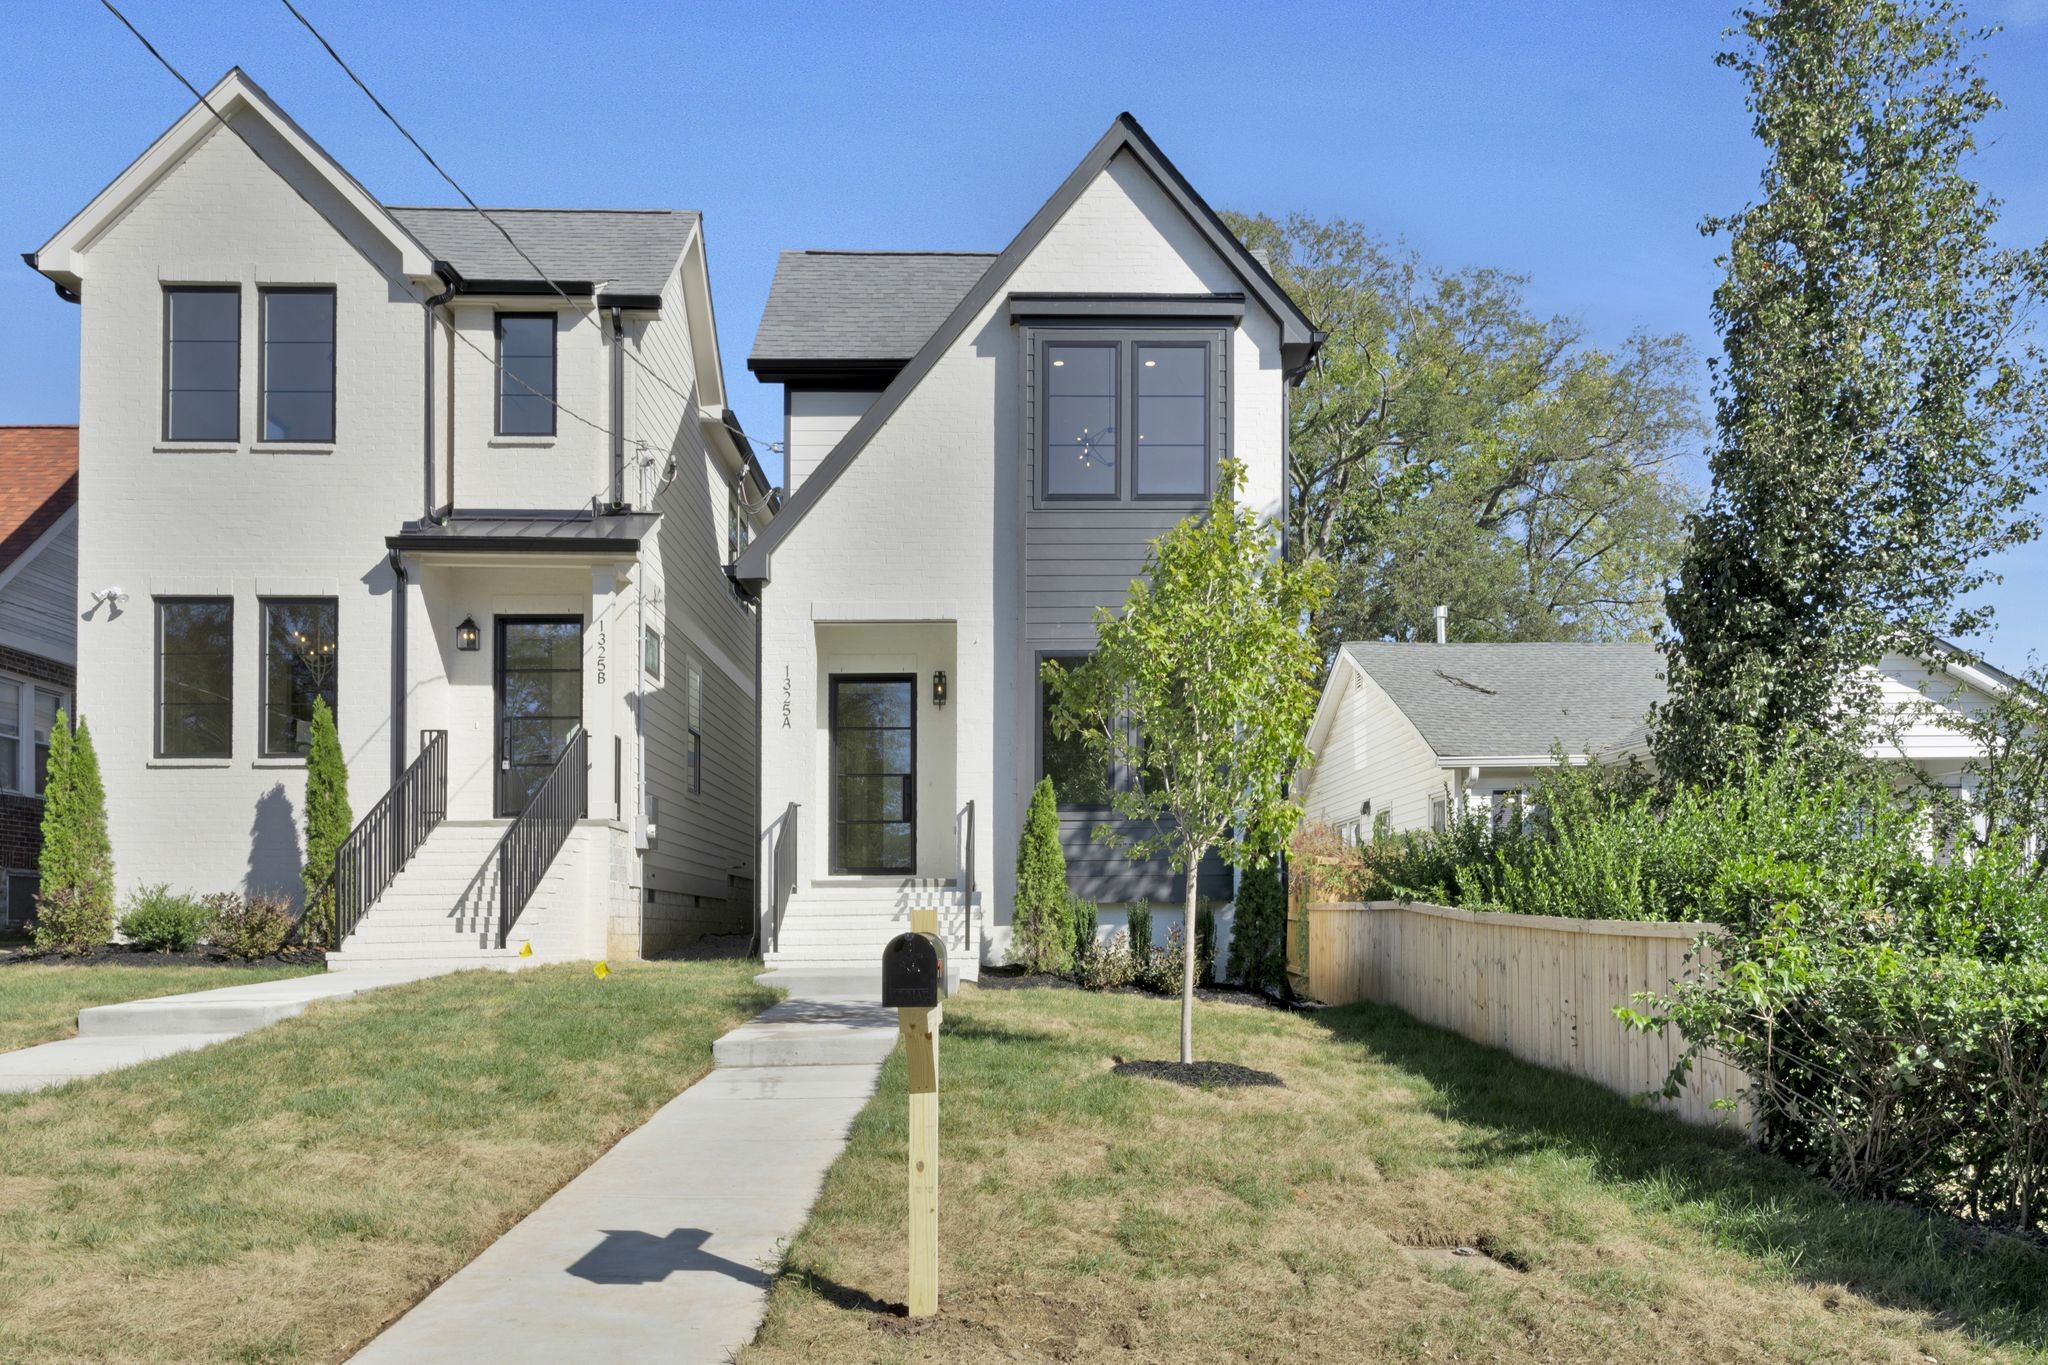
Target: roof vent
(1443, 618)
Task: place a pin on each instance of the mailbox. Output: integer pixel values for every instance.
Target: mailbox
(914, 972)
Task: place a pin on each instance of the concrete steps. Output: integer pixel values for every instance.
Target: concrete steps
(442, 909)
(833, 932)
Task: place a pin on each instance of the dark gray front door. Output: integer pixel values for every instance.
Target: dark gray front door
(874, 774)
(540, 701)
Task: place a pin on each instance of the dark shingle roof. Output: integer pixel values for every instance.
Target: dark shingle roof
(632, 251)
(1497, 700)
(38, 484)
(861, 305)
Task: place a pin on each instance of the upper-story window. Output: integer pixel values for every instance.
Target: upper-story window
(737, 532)
(526, 374)
(1128, 419)
(297, 364)
(203, 362)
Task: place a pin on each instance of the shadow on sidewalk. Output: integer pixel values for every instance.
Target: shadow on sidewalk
(634, 1257)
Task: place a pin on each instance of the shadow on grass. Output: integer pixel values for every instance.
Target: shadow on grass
(1988, 1284)
(843, 1296)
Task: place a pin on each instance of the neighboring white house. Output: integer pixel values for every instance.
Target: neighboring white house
(980, 449)
(1409, 736)
(332, 448)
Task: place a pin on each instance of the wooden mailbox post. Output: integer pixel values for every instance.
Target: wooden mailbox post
(914, 981)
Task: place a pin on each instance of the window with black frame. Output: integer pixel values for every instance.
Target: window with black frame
(298, 364)
(301, 660)
(1079, 775)
(1080, 457)
(195, 677)
(526, 374)
(202, 362)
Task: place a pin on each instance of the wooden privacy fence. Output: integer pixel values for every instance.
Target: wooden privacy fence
(1539, 987)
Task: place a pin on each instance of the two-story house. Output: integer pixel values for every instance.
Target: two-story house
(334, 449)
(980, 448)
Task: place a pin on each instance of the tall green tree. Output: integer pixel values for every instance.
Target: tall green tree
(1880, 400)
(327, 821)
(1042, 926)
(1203, 686)
(78, 853)
(1453, 446)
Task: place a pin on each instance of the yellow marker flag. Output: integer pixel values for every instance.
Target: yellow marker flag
(601, 971)
(526, 950)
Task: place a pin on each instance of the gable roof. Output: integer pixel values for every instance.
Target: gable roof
(1298, 336)
(629, 251)
(1474, 701)
(836, 306)
(38, 484)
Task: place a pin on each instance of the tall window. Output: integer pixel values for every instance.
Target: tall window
(203, 363)
(47, 706)
(195, 677)
(1079, 777)
(10, 734)
(736, 530)
(1080, 421)
(298, 364)
(526, 374)
(25, 709)
(650, 659)
(300, 659)
(1172, 453)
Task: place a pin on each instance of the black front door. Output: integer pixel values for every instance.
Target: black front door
(540, 700)
(874, 774)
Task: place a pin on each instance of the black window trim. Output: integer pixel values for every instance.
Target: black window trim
(1066, 656)
(1208, 350)
(157, 698)
(264, 291)
(696, 762)
(206, 287)
(1127, 334)
(1115, 346)
(263, 606)
(498, 373)
(832, 680)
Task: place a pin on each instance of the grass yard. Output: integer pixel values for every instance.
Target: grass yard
(39, 1002)
(283, 1195)
(1090, 1216)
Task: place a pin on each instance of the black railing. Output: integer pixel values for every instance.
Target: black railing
(530, 845)
(785, 873)
(967, 867)
(384, 840)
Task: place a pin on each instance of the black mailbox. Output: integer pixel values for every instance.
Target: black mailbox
(913, 972)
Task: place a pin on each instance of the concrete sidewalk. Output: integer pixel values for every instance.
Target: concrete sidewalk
(663, 1248)
(113, 1036)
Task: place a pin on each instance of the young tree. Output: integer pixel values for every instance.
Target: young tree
(78, 856)
(1203, 687)
(327, 820)
(1880, 403)
(1042, 925)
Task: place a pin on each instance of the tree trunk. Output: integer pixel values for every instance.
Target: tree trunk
(1190, 941)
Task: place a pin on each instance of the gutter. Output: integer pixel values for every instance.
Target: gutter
(64, 291)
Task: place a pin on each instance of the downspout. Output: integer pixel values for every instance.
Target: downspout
(618, 410)
(446, 273)
(398, 595)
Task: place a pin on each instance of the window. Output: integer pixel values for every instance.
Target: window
(299, 666)
(48, 704)
(33, 711)
(1079, 777)
(1144, 404)
(20, 908)
(10, 735)
(696, 763)
(1439, 814)
(195, 669)
(526, 374)
(203, 363)
(1080, 421)
(737, 532)
(297, 367)
(1171, 457)
(650, 660)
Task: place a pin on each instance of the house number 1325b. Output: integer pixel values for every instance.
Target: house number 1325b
(785, 696)
(600, 653)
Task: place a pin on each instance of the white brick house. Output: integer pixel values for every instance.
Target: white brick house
(980, 447)
(322, 437)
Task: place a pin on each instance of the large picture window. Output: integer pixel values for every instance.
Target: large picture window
(1079, 776)
(1172, 455)
(526, 374)
(203, 363)
(1081, 421)
(195, 677)
(300, 660)
(298, 364)
(1127, 418)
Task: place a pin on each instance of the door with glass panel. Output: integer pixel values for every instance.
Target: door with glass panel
(874, 774)
(540, 701)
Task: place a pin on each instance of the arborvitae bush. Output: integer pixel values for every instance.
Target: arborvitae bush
(1081, 915)
(327, 823)
(1258, 930)
(1205, 943)
(77, 863)
(1042, 935)
(1138, 917)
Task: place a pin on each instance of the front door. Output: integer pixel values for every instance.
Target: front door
(874, 774)
(540, 701)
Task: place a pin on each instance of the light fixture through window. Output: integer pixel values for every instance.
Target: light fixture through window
(466, 635)
(938, 687)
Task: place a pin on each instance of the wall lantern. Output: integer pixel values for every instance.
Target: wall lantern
(938, 687)
(466, 635)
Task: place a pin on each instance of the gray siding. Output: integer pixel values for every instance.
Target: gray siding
(38, 612)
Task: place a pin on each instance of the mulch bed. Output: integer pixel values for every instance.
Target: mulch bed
(1009, 978)
(1200, 1075)
(122, 955)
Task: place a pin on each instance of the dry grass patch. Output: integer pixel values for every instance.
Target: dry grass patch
(40, 1001)
(1090, 1216)
(284, 1195)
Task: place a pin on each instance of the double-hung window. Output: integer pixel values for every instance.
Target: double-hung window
(27, 710)
(301, 656)
(297, 364)
(202, 362)
(1079, 775)
(195, 677)
(1128, 418)
(526, 374)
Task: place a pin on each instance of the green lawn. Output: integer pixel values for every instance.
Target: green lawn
(1090, 1216)
(283, 1195)
(39, 1002)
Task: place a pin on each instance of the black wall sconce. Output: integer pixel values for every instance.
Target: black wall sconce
(938, 687)
(466, 635)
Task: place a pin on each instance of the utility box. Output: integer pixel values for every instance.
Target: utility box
(914, 971)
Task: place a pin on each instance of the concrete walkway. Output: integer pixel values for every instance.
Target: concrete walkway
(663, 1248)
(113, 1036)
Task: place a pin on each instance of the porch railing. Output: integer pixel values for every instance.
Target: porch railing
(385, 839)
(967, 863)
(530, 845)
(784, 873)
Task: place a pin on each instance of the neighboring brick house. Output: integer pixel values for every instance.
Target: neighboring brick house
(38, 637)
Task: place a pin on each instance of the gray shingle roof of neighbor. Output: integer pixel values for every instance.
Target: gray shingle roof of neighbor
(1496, 700)
(861, 305)
(630, 251)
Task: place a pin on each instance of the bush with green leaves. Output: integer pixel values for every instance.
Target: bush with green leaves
(1082, 916)
(327, 824)
(248, 927)
(159, 920)
(1042, 936)
(1107, 965)
(1205, 942)
(71, 920)
(1138, 922)
(1258, 931)
(77, 861)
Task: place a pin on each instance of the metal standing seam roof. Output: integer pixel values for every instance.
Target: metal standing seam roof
(861, 305)
(1502, 700)
(630, 251)
(571, 532)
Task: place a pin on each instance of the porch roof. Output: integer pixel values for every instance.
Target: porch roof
(576, 531)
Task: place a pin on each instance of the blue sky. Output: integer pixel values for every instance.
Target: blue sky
(1580, 145)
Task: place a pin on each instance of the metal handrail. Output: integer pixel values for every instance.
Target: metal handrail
(530, 845)
(785, 872)
(967, 868)
(385, 839)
